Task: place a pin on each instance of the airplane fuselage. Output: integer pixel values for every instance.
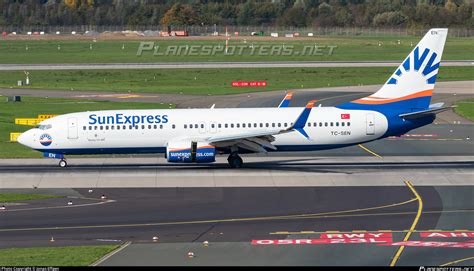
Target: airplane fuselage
(150, 131)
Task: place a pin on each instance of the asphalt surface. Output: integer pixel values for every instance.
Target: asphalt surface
(218, 65)
(183, 218)
(289, 196)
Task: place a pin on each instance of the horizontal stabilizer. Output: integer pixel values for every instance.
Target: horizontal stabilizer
(423, 113)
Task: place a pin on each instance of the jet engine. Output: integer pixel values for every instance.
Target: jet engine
(190, 152)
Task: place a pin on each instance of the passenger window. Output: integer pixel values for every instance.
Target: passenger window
(342, 123)
(112, 127)
(95, 127)
(202, 125)
(124, 127)
(155, 126)
(250, 125)
(226, 125)
(219, 125)
(261, 125)
(90, 128)
(107, 127)
(320, 124)
(161, 126)
(348, 124)
(273, 124)
(267, 125)
(213, 126)
(237, 125)
(130, 127)
(185, 126)
(84, 128)
(279, 124)
(285, 124)
(118, 127)
(309, 124)
(332, 124)
(315, 124)
(243, 125)
(149, 127)
(231, 125)
(143, 127)
(173, 126)
(337, 124)
(255, 125)
(101, 127)
(326, 124)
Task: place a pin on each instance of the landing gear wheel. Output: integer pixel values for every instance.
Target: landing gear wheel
(235, 161)
(63, 163)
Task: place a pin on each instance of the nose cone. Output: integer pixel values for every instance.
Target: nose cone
(26, 139)
(21, 139)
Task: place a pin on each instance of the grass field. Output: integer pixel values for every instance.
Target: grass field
(10, 197)
(465, 108)
(53, 256)
(348, 49)
(30, 107)
(212, 81)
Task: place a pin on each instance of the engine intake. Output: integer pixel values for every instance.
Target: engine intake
(190, 152)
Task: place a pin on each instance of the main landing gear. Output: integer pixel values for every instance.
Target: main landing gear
(235, 161)
(63, 163)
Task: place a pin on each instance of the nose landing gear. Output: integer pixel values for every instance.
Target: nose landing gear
(235, 161)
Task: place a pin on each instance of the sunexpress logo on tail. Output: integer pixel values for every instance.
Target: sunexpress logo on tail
(414, 64)
(127, 119)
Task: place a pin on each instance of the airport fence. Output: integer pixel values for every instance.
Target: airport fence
(203, 30)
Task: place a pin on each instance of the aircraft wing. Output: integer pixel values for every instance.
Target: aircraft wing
(286, 101)
(259, 140)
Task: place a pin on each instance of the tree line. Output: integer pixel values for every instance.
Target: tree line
(295, 13)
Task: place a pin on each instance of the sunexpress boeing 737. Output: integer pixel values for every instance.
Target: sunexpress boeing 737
(198, 135)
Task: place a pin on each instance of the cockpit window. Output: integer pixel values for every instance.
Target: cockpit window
(44, 127)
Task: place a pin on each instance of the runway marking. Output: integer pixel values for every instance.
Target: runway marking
(412, 228)
(383, 214)
(369, 151)
(353, 231)
(426, 139)
(101, 260)
(457, 261)
(60, 207)
(301, 216)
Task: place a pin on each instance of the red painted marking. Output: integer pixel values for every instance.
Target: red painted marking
(249, 83)
(345, 116)
(431, 244)
(321, 241)
(446, 234)
(384, 235)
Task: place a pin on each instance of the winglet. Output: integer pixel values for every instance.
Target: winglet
(286, 101)
(300, 122)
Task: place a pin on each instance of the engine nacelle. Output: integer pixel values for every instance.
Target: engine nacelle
(190, 152)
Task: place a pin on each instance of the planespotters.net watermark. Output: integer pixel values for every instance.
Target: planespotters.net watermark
(147, 47)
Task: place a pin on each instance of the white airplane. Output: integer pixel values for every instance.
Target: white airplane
(198, 135)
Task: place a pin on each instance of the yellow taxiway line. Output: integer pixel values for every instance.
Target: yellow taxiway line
(369, 151)
(412, 228)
